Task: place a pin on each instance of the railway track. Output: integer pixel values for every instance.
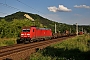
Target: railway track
(18, 50)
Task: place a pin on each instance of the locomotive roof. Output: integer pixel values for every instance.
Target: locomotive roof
(43, 28)
(36, 28)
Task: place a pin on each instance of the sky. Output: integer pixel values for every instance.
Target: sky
(62, 11)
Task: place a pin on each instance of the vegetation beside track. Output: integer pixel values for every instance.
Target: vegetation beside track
(7, 42)
(77, 48)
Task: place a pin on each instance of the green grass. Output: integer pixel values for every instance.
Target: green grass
(7, 42)
(77, 48)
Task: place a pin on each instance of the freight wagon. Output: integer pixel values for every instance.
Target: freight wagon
(80, 33)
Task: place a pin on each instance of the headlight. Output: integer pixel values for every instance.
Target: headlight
(28, 34)
(22, 34)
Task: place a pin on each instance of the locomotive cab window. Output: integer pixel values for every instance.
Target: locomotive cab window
(26, 30)
(33, 30)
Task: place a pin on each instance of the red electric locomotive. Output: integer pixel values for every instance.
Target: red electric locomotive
(30, 34)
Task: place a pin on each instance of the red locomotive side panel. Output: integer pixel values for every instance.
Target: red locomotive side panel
(42, 32)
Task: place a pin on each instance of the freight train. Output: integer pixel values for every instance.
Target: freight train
(33, 33)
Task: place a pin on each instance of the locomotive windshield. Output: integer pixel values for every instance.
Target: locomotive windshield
(26, 30)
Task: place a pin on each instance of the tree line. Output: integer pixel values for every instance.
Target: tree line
(11, 25)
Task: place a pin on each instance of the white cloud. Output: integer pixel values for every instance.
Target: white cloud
(61, 8)
(82, 6)
(54, 9)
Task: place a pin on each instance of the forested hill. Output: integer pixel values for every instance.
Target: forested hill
(11, 25)
(20, 16)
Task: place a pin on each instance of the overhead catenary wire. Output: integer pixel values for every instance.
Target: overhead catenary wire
(5, 4)
(29, 6)
(9, 6)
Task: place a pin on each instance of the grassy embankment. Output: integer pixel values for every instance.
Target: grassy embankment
(77, 48)
(7, 41)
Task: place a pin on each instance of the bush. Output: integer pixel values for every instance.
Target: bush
(7, 42)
